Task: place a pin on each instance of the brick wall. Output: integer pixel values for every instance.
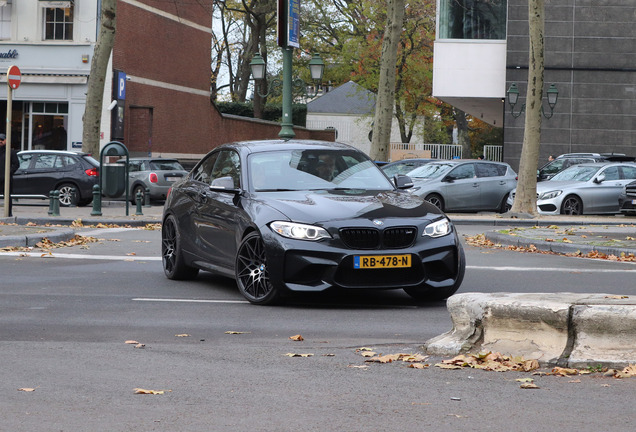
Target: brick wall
(168, 65)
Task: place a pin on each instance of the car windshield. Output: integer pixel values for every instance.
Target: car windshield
(314, 170)
(166, 166)
(576, 173)
(431, 170)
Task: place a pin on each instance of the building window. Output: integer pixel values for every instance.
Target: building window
(5, 20)
(473, 19)
(58, 23)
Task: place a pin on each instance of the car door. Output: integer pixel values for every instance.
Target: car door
(460, 188)
(216, 209)
(21, 185)
(45, 172)
(604, 195)
(493, 184)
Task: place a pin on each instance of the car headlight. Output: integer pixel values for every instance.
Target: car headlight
(439, 228)
(299, 231)
(550, 195)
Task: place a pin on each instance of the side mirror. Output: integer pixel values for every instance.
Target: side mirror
(599, 178)
(222, 184)
(402, 181)
(448, 179)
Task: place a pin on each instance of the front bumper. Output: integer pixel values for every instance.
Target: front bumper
(317, 266)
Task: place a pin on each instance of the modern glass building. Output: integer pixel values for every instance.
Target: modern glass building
(590, 56)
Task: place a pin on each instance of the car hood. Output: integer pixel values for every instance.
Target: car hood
(559, 185)
(319, 206)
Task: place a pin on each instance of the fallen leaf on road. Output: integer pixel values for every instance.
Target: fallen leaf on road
(525, 380)
(182, 335)
(616, 297)
(236, 332)
(26, 389)
(564, 371)
(131, 342)
(152, 392)
(368, 353)
(419, 366)
(529, 386)
(297, 338)
(358, 366)
(299, 355)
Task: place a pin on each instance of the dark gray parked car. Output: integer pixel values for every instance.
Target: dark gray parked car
(464, 185)
(156, 174)
(73, 174)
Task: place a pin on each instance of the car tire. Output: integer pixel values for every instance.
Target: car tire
(572, 205)
(505, 207)
(437, 294)
(174, 265)
(66, 194)
(436, 200)
(137, 188)
(252, 276)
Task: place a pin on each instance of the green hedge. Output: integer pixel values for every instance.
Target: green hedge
(272, 112)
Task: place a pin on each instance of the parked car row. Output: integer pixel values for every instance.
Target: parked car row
(74, 174)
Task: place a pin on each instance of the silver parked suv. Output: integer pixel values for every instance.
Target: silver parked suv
(547, 171)
(464, 185)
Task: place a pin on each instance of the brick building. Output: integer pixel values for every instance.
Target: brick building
(160, 77)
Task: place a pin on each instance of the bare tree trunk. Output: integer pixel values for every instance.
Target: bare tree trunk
(96, 80)
(526, 195)
(386, 87)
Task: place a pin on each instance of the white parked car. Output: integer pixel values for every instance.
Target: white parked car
(592, 188)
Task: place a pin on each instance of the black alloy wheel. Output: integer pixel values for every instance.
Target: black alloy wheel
(572, 205)
(171, 253)
(69, 194)
(252, 277)
(436, 200)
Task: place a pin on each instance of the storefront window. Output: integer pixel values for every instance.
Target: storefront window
(49, 122)
(473, 19)
(58, 23)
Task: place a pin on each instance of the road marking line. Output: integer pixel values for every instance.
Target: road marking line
(79, 256)
(189, 300)
(551, 269)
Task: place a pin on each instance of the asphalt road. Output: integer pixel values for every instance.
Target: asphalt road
(65, 318)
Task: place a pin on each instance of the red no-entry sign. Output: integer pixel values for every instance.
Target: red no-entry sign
(14, 77)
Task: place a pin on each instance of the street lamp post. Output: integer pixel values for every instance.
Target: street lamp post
(259, 68)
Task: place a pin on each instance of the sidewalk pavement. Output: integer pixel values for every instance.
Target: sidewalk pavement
(562, 328)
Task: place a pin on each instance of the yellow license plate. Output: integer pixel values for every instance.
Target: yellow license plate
(381, 261)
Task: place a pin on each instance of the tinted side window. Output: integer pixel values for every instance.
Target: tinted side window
(25, 161)
(463, 172)
(228, 164)
(48, 161)
(611, 173)
(69, 160)
(629, 172)
(203, 171)
(490, 170)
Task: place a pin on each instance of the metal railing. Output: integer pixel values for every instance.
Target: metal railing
(493, 153)
(437, 151)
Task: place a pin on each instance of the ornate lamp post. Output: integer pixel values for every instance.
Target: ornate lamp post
(316, 68)
(513, 97)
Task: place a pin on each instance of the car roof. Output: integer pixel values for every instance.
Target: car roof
(460, 161)
(281, 144)
(151, 159)
(57, 152)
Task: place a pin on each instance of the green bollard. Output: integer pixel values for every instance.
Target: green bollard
(97, 201)
(56, 203)
(139, 199)
(147, 197)
(51, 199)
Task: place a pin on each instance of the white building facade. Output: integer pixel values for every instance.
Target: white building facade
(52, 43)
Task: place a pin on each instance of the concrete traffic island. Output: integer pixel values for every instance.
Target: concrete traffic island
(564, 329)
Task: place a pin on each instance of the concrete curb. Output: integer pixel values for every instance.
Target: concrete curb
(556, 247)
(565, 329)
(55, 235)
